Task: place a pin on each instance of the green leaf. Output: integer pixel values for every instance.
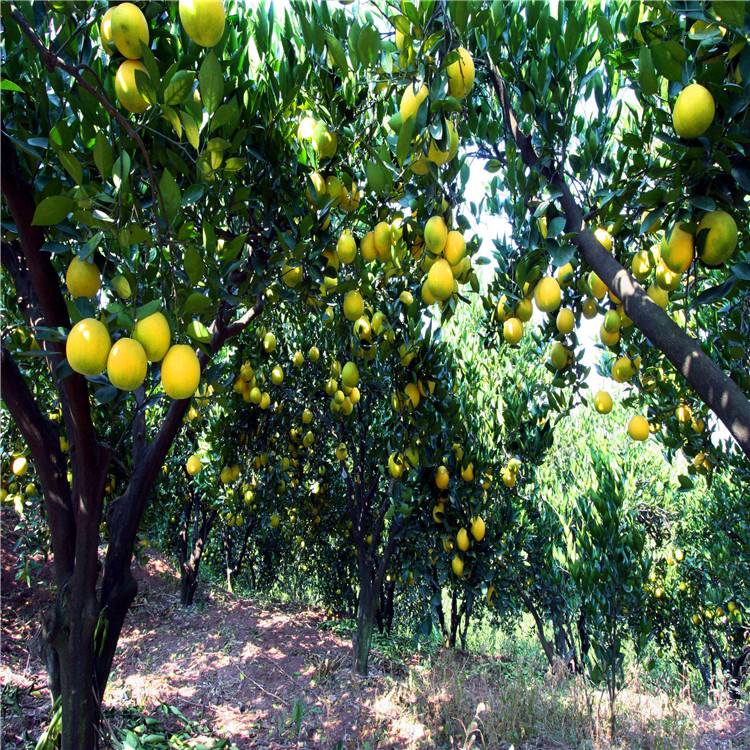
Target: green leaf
(556, 226)
(194, 267)
(171, 116)
(121, 170)
(198, 332)
(170, 193)
(668, 59)
(649, 82)
(403, 146)
(742, 270)
(72, 166)
(52, 210)
(148, 309)
(196, 303)
(179, 88)
(731, 12)
(336, 50)
(103, 155)
(605, 28)
(211, 82)
(191, 130)
(6, 85)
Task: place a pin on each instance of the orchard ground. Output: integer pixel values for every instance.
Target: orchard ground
(263, 674)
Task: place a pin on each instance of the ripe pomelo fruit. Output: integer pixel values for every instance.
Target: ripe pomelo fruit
(203, 20)
(658, 295)
(126, 364)
(354, 305)
(512, 330)
(350, 375)
(565, 321)
(369, 251)
(193, 465)
(547, 294)
(382, 239)
(153, 334)
(603, 402)
(596, 286)
(604, 237)
(126, 87)
(455, 247)
(558, 356)
(462, 540)
(435, 234)
(440, 280)
(180, 372)
(442, 477)
(346, 247)
(721, 240)
(457, 566)
(638, 428)
(436, 156)
(524, 309)
(87, 347)
(478, 528)
(129, 29)
(461, 74)
(82, 278)
(693, 111)
(105, 32)
(411, 101)
(677, 254)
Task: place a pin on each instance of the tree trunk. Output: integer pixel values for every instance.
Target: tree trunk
(366, 609)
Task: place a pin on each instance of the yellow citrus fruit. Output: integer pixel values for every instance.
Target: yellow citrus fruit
(313, 353)
(126, 87)
(622, 370)
(677, 254)
(564, 274)
(129, 29)
(105, 32)
(435, 155)
(325, 142)
(608, 338)
(478, 528)
(638, 428)
(565, 321)
(350, 375)
(269, 343)
(524, 310)
(512, 330)
(88, 346)
(153, 334)
(442, 477)
(455, 247)
(395, 465)
(547, 294)
(369, 251)
(559, 356)
(461, 74)
(319, 186)
(82, 278)
(203, 20)
(721, 239)
(603, 402)
(596, 286)
(457, 566)
(693, 111)
(440, 280)
(427, 296)
(641, 265)
(412, 393)
(665, 278)
(193, 465)
(462, 540)
(612, 321)
(382, 240)
(277, 375)
(467, 472)
(180, 372)
(411, 101)
(346, 247)
(435, 234)
(292, 276)
(604, 237)
(126, 364)
(354, 305)
(658, 296)
(589, 308)
(20, 466)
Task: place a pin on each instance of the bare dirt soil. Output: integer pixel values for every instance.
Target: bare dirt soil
(261, 676)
